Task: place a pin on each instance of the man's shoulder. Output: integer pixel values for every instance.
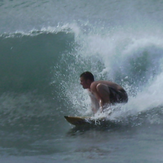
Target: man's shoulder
(93, 84)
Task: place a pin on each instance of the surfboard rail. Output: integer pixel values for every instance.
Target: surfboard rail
(79, 121)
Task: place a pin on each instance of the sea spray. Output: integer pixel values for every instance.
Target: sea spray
(133, 62)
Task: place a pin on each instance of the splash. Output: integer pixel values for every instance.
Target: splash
(125, 57)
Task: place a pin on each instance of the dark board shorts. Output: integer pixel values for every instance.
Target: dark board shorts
(118, 96)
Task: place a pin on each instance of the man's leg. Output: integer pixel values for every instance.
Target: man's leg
(103, 92)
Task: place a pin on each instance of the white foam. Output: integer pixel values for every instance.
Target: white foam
(114, 51)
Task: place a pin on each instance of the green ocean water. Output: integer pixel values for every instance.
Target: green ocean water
(45, 46)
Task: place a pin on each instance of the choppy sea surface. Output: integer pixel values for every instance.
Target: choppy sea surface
(44, 47)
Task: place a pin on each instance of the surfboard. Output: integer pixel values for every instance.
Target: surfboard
(80, 121)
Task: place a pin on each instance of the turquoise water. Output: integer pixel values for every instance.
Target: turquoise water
(45, 46)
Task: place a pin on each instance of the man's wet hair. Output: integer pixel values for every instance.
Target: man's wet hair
(87, 75)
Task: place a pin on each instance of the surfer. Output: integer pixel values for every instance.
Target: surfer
(102, 93)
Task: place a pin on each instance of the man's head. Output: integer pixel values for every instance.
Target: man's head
(86, 78)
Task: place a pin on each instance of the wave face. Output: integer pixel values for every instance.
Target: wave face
(46, 45)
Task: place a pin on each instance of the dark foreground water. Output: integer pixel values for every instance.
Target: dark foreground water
(45, 46)
(49, 144)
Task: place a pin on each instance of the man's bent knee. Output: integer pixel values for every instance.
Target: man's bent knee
(102, 87)
(103, 91)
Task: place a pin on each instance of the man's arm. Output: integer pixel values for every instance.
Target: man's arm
(94, 104)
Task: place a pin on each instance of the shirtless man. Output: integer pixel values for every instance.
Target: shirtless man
(102, 92)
